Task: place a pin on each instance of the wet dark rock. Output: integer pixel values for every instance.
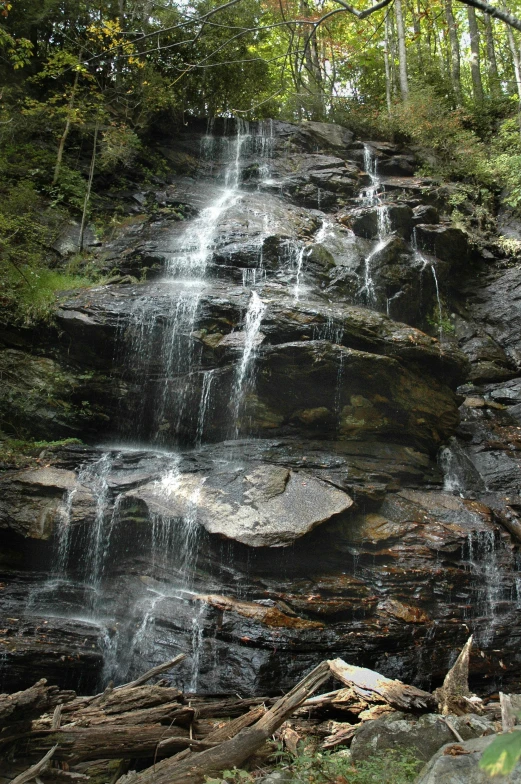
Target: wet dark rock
(397, 166)
(496, 305)
(341, 403)
(446, 243)
(43, 398)
(425, 213)
(68, 241)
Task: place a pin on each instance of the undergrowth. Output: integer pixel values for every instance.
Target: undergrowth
(16, 452)
(391, 767)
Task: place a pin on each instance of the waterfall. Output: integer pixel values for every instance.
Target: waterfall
(371, 197)
(244, 374)
(425, 262)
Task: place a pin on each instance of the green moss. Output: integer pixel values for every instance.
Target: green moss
(15, 452)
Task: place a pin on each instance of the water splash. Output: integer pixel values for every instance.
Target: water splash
(425, 262)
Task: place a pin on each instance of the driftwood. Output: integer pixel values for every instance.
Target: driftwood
(373, 687)
(234, 752)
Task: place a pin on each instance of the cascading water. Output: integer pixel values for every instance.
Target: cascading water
(244, 374)
(422, 260)
(160, 347)
(372, 197)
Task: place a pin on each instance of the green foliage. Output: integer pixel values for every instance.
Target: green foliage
(18, 452)
(391, 767)
(503, 754)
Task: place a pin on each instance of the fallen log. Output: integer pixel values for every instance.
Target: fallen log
(31, 703)
(454, 696)
(373, 687)
(231, 753)
(172, 713)
(76, 744)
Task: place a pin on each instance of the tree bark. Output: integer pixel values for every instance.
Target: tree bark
(475, 70)
(516, 62)
(402, 52)
(455, 56)
(494, 82)
(388, 75)
(89, 188)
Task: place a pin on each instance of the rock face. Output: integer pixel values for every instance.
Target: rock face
(309, 408)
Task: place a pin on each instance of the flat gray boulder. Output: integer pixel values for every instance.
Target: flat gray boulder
(257, 504)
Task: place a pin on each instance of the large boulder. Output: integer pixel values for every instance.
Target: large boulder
(455, 763)
(421, 736)
(258, 505)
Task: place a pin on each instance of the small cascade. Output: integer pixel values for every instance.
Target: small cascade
(483, 549)
(425, 262)
(244, 376)
(371, 197)
(92, 479)
(197, 645)
(204, 405)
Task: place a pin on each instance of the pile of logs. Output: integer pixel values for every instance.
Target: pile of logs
(142, 733)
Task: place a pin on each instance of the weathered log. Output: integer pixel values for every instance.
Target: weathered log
(90, 743)
(34, 771)
(113, 702)
(341, 736)
(373, 687)
(30, 703)
(234, 752)
(159, 714)
(227, 708)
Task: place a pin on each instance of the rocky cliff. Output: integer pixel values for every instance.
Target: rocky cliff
(302, 428)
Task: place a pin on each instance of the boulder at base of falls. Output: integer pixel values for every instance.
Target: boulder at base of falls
(421, 736)
(258, 505)
(455, 763)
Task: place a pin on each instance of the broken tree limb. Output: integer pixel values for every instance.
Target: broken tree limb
(455, 696)
(30, 703)
(152, 673)
(373, 687)
(34, 771)
(234, 752)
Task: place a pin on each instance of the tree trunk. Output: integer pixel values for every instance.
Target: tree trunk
(455, 57)
(477, 86)
(517, 68)
(494, 82)
(63, 138)
(388, 74)
(402, 53)
(89, 188)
